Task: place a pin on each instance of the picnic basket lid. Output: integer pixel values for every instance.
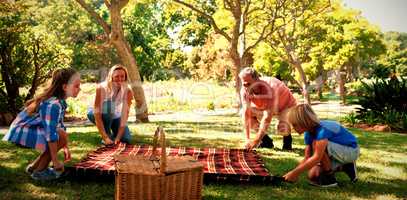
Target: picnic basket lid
(138, 164)
(155, 164)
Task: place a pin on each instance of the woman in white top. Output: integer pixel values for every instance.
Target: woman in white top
(111, 108)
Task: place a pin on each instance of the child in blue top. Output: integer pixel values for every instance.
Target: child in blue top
(40, 124)
(329, 147)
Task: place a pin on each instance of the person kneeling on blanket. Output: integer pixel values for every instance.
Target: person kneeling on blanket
(329, 148)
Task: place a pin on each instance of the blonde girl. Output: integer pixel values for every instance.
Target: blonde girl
(111, 107)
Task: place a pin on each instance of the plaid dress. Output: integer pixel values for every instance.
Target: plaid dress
(37, 130)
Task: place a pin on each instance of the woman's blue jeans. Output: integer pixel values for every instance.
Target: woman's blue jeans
(111, 125)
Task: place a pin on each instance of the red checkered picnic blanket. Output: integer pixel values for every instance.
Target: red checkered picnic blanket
(220, 164)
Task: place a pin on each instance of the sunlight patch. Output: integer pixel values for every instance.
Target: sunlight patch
(39, 192)
(6, 155)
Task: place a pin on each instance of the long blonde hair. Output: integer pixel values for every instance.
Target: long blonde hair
(109, 78)
(54, 89)
(303, 116)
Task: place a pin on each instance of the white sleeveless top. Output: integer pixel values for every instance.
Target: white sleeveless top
(117, 99)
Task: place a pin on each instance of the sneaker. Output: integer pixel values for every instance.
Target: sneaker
(29, 169)
(350, 170)
(287, 142)
(326, 179)
(266, 142)
(47, 174)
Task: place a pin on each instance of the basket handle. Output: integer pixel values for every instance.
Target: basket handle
(163, 159)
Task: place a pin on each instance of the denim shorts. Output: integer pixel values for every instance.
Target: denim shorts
(341, 154)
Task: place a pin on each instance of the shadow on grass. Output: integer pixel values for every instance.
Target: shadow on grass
(213, 126)
(16, 184)
(12, 183)
(391, 142)
(376, 187)
(190, 141)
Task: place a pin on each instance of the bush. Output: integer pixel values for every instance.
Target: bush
(354, 88)
(384, 101)
(351, 119)
(76, 108)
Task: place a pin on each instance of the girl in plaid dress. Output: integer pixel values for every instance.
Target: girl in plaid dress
(40, 124)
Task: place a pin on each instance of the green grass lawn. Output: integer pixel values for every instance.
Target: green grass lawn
(382, 165)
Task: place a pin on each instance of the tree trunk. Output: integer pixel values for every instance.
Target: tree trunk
(234, 53)
(304, 83)
(6, 74)
(319, 92)
(341, 82)
(34, 82)
(127, 58)
(115, 36)
(293, 60)
(320, 81)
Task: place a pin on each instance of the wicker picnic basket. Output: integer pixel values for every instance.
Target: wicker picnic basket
(158, 177)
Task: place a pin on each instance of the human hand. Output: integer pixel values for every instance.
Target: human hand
(108, 141)
(291, 177)
(250, 145)
(247, 144)
(116, 141)
(67, 154)
(58, 166)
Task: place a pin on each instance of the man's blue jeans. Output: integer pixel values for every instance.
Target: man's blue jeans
(111, 125)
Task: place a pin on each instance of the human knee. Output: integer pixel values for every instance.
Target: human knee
(283, 128)
(314, 172)
(91, 116)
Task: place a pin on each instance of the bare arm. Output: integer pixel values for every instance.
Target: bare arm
(64, 137)
(320, 146)
(264, 124)
(53, 149)
(307, 153)
(98, 115)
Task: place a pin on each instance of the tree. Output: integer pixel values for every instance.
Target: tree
(297, 34)
(211, 54)
(316, 36)
(350, 43)
(146, 24)
(268, 62)
(26, 56)
(241, 23)
(70, 26)
(114, 35)
(395, 59)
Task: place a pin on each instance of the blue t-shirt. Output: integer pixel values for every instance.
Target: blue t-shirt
(332, 131)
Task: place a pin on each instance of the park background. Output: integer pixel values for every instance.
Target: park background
(184, 57)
